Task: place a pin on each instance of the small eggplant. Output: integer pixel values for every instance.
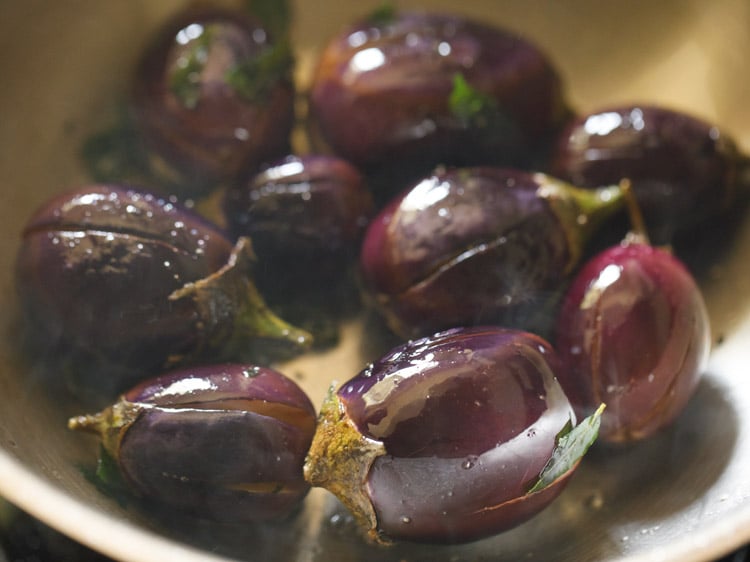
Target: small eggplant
(478, 245)
(304, 213)
(683, 170)
(127, 278)
(213, 97)
(633, 332)
(450, 438)
(223, 442)
(429, 89)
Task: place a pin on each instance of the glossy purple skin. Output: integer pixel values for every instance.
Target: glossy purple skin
(223, 134)
(302, 210)
(381, 91)
(682, 169)
(463, 247)
(225, 442)
(96, 266)
(633, 333)
(469, 418)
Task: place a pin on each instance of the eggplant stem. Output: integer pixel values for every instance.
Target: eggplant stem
(638, 233)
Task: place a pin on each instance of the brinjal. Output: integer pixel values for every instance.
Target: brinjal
(213, 97)
(423, 89)
(121, 277)
(478, 245)
(304, 213)
(449, 438)
(220, 442)
(683, 170)
(634, 333)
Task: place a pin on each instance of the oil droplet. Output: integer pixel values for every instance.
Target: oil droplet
(595, 501)
(469, 462)
(251, 372)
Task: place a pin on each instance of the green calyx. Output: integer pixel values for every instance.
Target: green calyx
(231, 311)
(572, 445)
(339, 460)
(110, 424)
(581, 212)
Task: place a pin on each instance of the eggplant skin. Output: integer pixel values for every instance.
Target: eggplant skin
(302, 212)
(227, 466)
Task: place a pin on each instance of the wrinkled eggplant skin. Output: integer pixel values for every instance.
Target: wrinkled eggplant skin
(463, 247)
(469, 418)
(222, 135)
(96, 267)
(633, 333)
(382, 89)
(683, 170)
(303, 211)
(209, 435)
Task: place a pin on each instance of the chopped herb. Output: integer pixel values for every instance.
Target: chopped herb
(115, 154)
(469, 104)
(108, 479)
(185, 80)
(253, 79)
(119, 154)
(382, 15)
(481, 113)
(275, 15)
(572, 444)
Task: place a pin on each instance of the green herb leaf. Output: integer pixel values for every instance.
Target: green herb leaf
(275, 15)
(116, 154)
(383, 15)
(469, 104)
(480, 111)
(254, 79)
(185, 80)
(107, 470)
(108, 479)
(572, 444)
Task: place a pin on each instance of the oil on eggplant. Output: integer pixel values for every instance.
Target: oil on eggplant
(424, 89)
(221, 442)
(478, 245)
(683, 170)
(117, 277)
(448, 438)
(213, 97)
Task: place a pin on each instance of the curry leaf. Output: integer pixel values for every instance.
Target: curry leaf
(571, 446)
